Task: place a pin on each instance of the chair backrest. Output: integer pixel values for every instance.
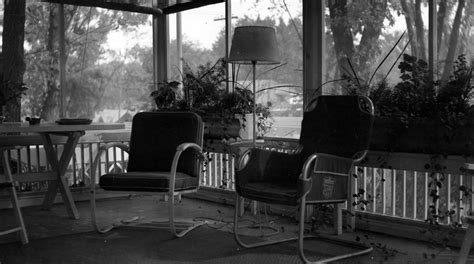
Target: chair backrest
(339, 127)
(337, 124)
(155, 137)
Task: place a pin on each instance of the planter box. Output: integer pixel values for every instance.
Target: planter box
(217, 127)
(421, 137)
(220, 128)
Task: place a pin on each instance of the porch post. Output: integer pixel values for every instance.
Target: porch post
(228, 39)
(314, 62)
(432, 39)
(160, 45)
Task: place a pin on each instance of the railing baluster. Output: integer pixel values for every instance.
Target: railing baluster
(38, 158)
(220, 176)
(471, 201)
(18, 152)
(404, 194)
(384, 198)
(96, 179)
(460, 199)
(448, 193)
(114, 156)
(28, 158)
(83, 165)
(214, 176)
(394, 192)
(364, 184)
(439, 196)
(227, 170)
(415, 195)
(210, 169)
(107, 161)
(426, 195)
(232, 178)
(374, 190)
(91, 160)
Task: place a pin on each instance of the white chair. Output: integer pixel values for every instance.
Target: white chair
(7, 183)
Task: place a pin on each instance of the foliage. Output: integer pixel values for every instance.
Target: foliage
(86, 29)
(444, 108)
(418, 96)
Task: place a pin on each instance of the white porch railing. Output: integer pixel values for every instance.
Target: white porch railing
(396, 184)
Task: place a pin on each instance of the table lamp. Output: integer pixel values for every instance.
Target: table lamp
(254, 45)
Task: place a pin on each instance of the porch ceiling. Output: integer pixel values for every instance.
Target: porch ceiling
(130, 6)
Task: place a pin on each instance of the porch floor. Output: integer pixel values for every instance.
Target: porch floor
(43, 225)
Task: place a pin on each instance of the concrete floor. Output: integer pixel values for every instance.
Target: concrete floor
(41, 224)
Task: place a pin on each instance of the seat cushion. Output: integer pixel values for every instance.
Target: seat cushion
(147, 181)
(270, 192)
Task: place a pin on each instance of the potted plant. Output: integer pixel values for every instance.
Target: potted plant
(203, 91)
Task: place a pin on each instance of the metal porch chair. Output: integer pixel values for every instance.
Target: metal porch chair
(165, 156)
(335, 134)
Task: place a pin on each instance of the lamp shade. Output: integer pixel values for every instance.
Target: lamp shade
(254, 44)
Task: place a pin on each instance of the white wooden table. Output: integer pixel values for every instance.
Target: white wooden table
(59, 163)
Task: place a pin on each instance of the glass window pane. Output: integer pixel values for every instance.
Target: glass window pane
(365, 40)
(108, 69)
(455, 34)
(279, 85)
(203, 34)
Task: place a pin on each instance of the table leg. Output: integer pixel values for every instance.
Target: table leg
(60, 166)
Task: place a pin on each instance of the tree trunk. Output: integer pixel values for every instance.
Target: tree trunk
(12, 85)
(50, 110)
(370, 39)
(453, 40)
(341, 31)
(465, 27)
(441, 19)
(420, 33)
(409, 21)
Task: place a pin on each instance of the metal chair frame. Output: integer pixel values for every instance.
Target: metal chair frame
(306, 178)
(171, 193)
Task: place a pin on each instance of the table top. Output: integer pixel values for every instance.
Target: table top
(17, 127)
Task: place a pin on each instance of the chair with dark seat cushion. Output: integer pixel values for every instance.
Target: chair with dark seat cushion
(335, 134)
(165, 156)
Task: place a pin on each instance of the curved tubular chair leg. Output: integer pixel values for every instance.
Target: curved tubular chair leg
(174, 166)
(172, 223)
(238, 200)
(364, 249)
(94, 168)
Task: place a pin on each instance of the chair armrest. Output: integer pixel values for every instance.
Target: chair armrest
(119, 145)
(183, 146)
(101, 150)
(174, 166)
